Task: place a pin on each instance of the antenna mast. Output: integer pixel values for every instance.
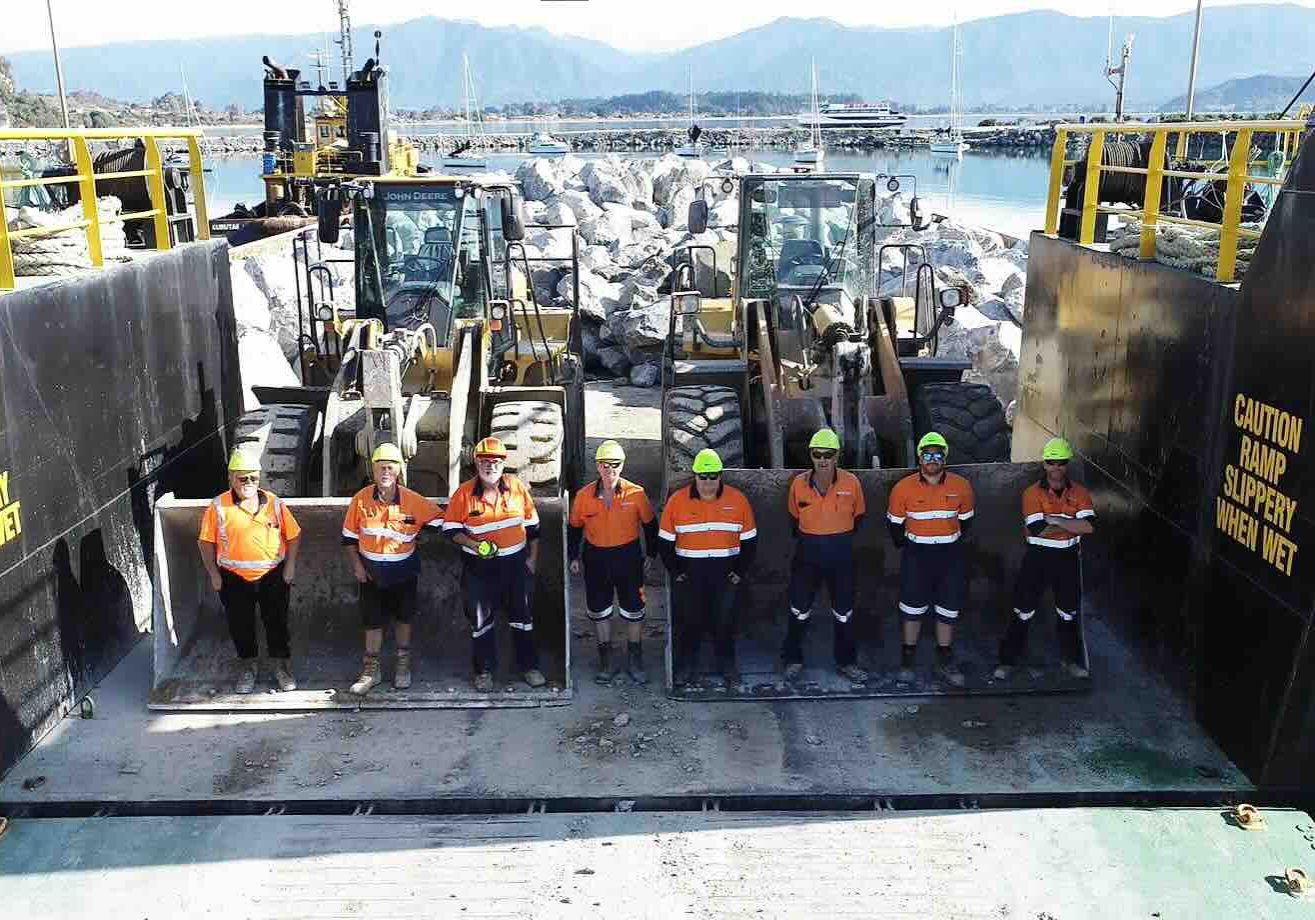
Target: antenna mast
(1125, 56)
(345, 39)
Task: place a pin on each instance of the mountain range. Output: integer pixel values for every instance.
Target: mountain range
(1263, 93)
(1036, 58)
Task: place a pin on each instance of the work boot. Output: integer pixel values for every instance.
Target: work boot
(283, 675)
(1076, 670)
(246, 677)
(402, 673)
(534, 677)
(635, 662)
(1003, 671)
(853, 673)
(949, 672)
(730, 673)
(793, 670)
(369, 678)
(484, 682)
(605, 670)
(908, 654)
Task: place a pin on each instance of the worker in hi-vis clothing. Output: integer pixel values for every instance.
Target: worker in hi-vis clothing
(1057, 513)
(379, 533)
(248, 544)
(607, 517)
(493, 519)
(929, 513)
(708, 540)
(826, 507)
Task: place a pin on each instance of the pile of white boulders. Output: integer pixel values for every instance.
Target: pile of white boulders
(630, 216)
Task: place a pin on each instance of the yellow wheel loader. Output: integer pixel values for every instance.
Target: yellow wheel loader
(445, 342)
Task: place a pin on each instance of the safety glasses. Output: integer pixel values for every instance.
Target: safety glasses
(253, 477)
(824, 455)
(933, 456)
(708, 477)
(610, 464)
(1058, 463)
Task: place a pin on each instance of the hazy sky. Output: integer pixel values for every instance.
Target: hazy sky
(630, 24)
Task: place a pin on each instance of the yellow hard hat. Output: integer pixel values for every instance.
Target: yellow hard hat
(244, 459)
(491, 447)
(933, 439)
(1057, 449)
(825, 439)
(386, 453)
(610, 450)
(707, 461)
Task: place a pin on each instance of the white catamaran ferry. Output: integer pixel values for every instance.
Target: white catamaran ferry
(853, 115)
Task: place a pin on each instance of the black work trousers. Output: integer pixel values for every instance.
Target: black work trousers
(705, 604)
(504, 584)
(1060, 570)
(810, 571)
(241, 598)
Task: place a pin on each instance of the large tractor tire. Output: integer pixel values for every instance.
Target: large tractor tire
(697, 417)
(533, 433)
(283, 435)
(970, 418)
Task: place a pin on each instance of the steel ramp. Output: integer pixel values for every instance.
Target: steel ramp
(193, 656)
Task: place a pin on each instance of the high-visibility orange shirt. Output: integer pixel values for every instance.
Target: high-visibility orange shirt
(931, 513)
(1073, 502)
(707, 529)
(249, 545)
(825, 515)
(618, 525)
(504, 514)
(386, 532)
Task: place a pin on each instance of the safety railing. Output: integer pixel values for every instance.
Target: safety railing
(1240, 172)
(85, 177)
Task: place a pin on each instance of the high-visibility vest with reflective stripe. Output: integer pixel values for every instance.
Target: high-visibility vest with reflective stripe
(615, 525)
(829, 514)
(931, 513)
(1073, 502)
(249, 545)
(707, 529)
(387, 532)
(502, 517)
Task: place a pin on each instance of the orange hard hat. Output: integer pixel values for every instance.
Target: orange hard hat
(491, 447)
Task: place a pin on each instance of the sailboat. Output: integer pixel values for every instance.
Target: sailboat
(469, 152)
(951, 143)
(811, 153)
(691, 150)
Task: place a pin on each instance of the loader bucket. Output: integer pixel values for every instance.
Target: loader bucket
(194, 658)
(995, 548)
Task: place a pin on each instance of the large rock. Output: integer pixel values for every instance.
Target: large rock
(262, 363)
(640, 183)
(614, 359)
(275, 275)
(548, 244)
(642, 328)
(989, 345)
(640, 221)
(610, 228)
(250, 305)
(639, 293)
(598, 297)
(558, 213)
(678, 208)
(606, 183)
(645, 375)
(996, 273)
(725, 213)
(581, 204)
(539, 180)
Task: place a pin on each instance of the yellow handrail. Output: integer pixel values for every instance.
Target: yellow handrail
(85, 177)
(1236, 179)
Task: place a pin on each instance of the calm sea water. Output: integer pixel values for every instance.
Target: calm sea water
(1005, 192)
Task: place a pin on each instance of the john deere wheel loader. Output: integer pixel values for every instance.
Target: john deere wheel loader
(800, 338)
(445, 344)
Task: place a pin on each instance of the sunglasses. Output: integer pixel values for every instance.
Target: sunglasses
(824, 455)
(252, 477)
(610, 464)
(1056, 463)
(933, 456)
(708, 476)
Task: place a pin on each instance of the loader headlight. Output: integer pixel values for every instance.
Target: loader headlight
(498, 311)
(727, 186)
(325, 314)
